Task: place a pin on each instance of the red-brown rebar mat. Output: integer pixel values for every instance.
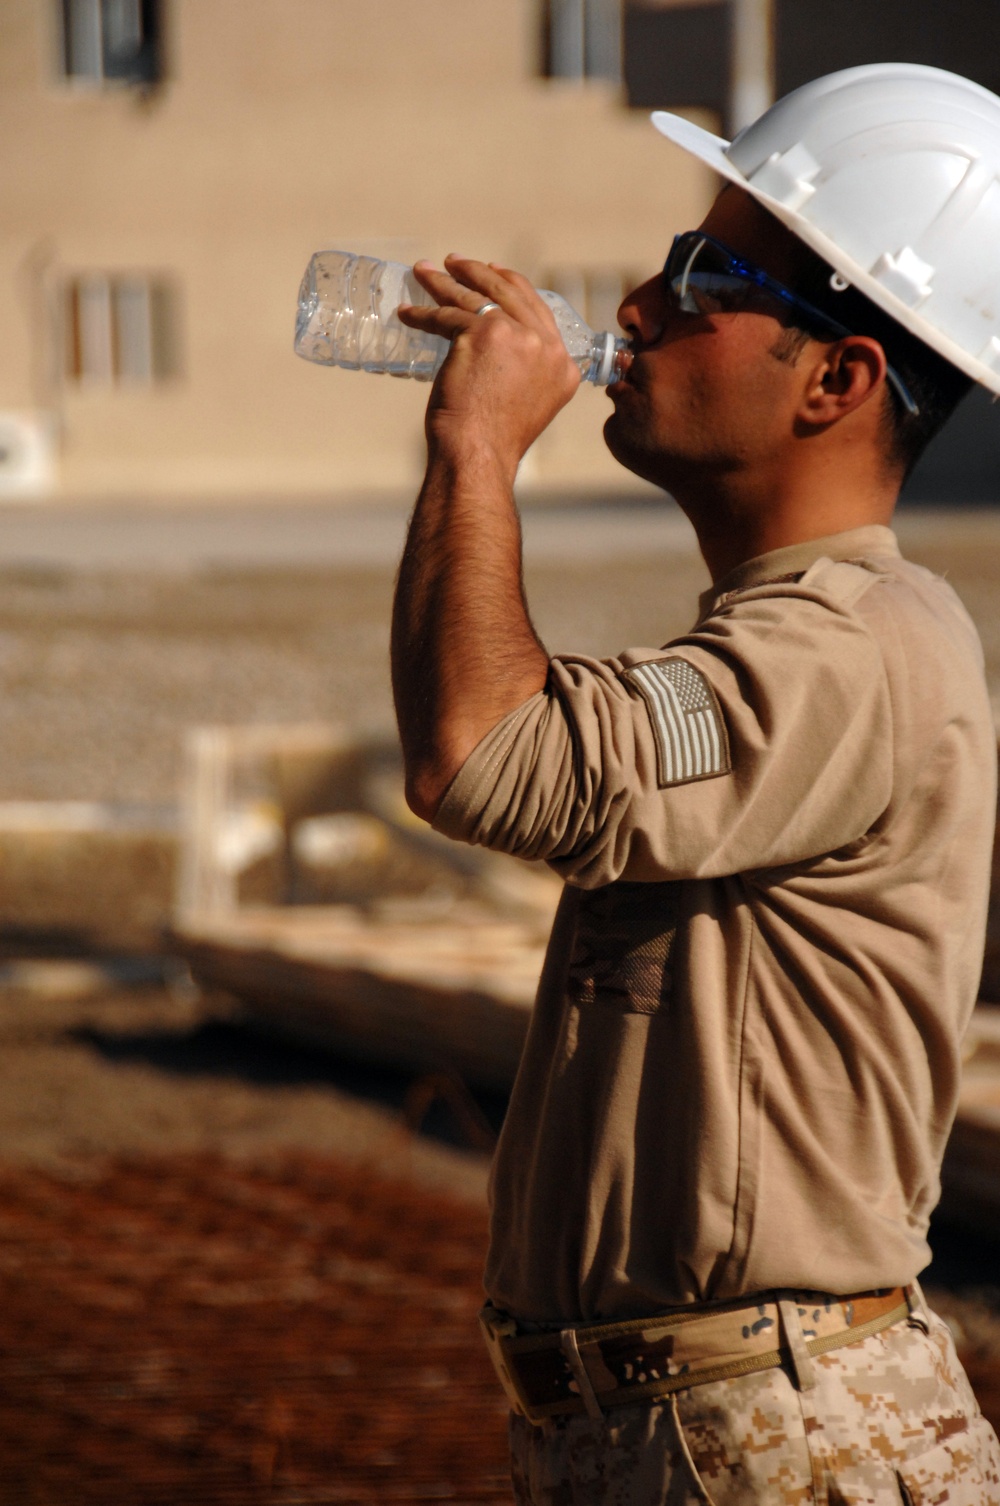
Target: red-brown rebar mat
(190, 1330)
(197, 1331)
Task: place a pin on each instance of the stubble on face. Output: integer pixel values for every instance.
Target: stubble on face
(704, 404)
(657, 429)
(702, 396)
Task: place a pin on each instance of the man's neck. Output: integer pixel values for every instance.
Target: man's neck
(732, 527)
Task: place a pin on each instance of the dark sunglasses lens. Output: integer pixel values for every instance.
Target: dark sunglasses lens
(719, 292)
(703, 280)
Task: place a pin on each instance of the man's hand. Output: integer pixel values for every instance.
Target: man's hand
(464, 652)
(508, 373)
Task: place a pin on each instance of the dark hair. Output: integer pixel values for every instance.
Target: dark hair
(936, 385)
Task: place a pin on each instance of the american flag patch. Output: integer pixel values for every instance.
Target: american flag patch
(687, 724)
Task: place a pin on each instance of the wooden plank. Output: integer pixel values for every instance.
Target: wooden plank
(428, 996)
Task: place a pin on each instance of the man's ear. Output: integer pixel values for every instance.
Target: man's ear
(849, 373)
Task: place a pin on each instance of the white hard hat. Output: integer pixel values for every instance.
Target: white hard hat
(891, 173)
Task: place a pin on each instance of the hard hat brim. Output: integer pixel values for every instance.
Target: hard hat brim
(714, 152)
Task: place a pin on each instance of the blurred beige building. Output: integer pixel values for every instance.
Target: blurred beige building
(169, 168)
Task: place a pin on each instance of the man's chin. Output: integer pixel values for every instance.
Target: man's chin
(629, 449)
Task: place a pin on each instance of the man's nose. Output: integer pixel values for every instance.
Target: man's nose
(643, 313)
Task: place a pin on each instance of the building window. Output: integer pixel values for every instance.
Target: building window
(111, 41)
(679, 56)
(595, 292)
(582, 39)
(120, 330)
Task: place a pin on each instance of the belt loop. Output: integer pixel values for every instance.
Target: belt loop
(915, 1299)
(574, 1360)
(805, 1376)
(917, 1304)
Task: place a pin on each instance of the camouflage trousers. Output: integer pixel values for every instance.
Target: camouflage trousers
(889, 1421)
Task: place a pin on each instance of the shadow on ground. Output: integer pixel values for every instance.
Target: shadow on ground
(438, 1104)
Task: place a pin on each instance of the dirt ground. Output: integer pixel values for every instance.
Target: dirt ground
(210, 1244)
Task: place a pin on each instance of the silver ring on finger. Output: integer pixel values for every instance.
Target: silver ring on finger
(486, 308)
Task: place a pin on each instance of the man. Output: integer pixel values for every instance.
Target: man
(711, 1195)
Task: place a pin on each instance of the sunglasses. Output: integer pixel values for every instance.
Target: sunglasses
(705, 277)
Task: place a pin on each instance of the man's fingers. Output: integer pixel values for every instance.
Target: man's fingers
(468, 284)
(446, 289)
(462, 289)
(445, 321)
(514, 293)
(516, 334)
(516, 279)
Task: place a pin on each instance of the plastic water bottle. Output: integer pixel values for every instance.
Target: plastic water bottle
(347, 317)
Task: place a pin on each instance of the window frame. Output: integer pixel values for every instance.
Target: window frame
(582, 40)
(86, 58)
(118, 330)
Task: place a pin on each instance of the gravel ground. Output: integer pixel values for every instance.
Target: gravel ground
(102, 670)
(100, 674)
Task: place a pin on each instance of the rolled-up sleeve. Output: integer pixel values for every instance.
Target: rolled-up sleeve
(576, 776)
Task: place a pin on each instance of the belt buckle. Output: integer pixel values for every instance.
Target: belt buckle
(497, 1328)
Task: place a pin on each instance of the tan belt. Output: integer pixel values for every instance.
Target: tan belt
(601, 1365)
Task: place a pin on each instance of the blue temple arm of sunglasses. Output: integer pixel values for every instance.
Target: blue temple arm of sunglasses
(762, 279)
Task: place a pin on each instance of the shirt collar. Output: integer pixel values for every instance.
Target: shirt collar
(795, 559)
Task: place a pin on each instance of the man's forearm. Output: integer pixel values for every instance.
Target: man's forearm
(464, 652)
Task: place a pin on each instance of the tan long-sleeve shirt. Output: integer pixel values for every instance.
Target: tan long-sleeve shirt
(743, 1062)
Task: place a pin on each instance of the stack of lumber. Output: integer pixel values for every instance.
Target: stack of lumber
(426, 954)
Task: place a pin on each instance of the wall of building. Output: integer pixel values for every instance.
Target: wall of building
(391, 127)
